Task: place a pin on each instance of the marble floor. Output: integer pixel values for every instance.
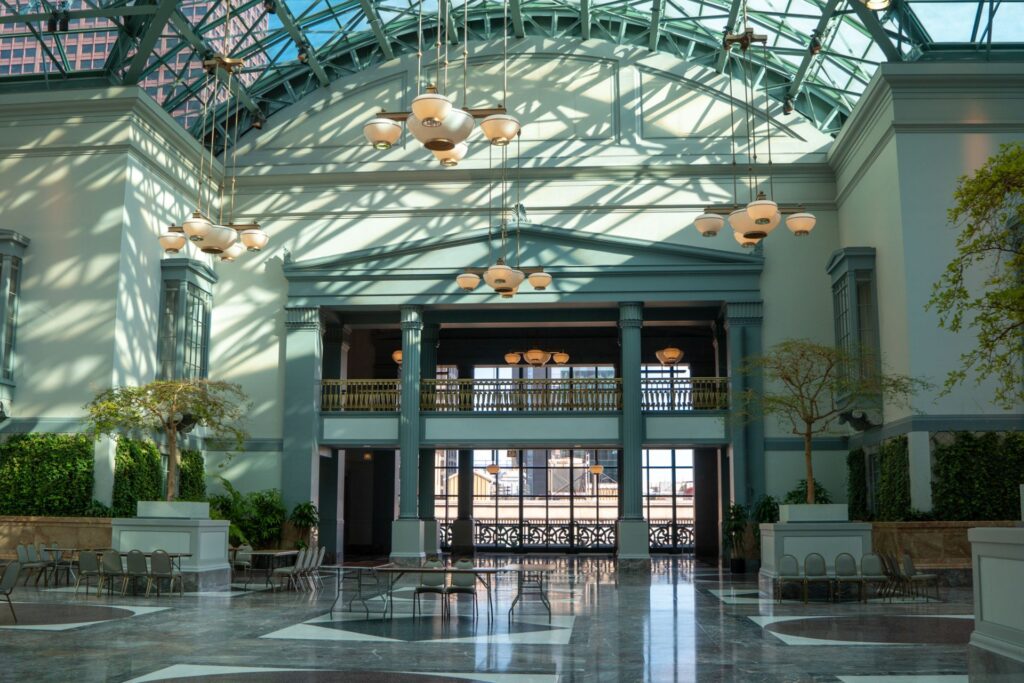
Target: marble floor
(685, 622)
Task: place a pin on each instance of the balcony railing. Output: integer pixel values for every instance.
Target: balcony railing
(515, 395)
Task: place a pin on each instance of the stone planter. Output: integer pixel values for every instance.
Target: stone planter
(998, 560)
(838, 512)
(176, 509)
(66, 532)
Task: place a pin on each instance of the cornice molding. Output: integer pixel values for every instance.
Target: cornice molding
(302, 318)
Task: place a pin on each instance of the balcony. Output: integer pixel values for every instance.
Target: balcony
(518, 395)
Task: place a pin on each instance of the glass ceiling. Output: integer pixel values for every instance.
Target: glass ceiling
(160, 44)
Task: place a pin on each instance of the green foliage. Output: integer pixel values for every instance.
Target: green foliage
(734, 529)
(137, 475)
(46, 474)
(765, 511)
(990, 208)
(857, 485)
(97, 509)
(978, 477)
(893, 480)
(798, 496)
(305, 516)
(193, 476)
(258, 515)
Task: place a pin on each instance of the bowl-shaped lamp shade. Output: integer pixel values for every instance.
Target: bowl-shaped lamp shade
(746, 242)
(233, 252)
(536, 357)
(708, 224)
(500, 129)
(493, 468)
(597, 469)
(560, 357)
(498, 276)
(431, 108)
(457, 126)
(254, 239)
(382, 133)
(669, 355)
(762, 210)
(741, 222)
(517, 278)
(197, 227)
(219, 239)
(397, 356)
(877, 5)
(432, 138)
(775, 222)
(173, 241)
(801, 224)
(539, 281)
(451, 158)
(468, 281)
(512, 358)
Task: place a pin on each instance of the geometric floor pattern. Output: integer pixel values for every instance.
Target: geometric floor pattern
(685, 621)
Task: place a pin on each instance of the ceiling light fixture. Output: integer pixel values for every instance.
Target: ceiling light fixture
(397, 356)
(876, 5)
(669, 355)
(537, 357)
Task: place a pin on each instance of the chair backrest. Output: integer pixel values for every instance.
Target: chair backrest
(87, 562)
(137, 562)
(320, 557)
(54, 553)
(244, 554)
(464, 580)
(111, 562)
(871, 565)
(300, 560)
(10, 578)
(789, 566)
(44, 554)
(311, 554)
(160, 563)
(846, 565)
(432, 579)
(814, 565)
(22, 554)
(33, 554)
(908, 565)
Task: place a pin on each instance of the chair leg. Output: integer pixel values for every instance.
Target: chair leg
(805, 591)
(11, 605)
(149, 584)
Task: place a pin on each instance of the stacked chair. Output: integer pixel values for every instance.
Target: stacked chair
(305, 573)
(889, 576)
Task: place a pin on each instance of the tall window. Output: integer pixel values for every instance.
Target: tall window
(184, 334)
(12, 249)
(668, 496)
(854, 306)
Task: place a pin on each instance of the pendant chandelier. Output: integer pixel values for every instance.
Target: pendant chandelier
(433, 119)
(669, 355)
(537, 357)
(229, 239)
(762, 214)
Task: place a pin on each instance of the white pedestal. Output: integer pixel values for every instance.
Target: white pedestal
(431, 537)
(833, 512)
(997, 556)
(205, 539)
(799, 539)
(634, 545)
(407, 542)
(177, 509)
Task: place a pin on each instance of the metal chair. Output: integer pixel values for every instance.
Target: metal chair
(897, 583)
(846, 572)
(816, 572)
(25, 562)
(8, 582)
(789, 572)
(462, 584)
(243, 561)
(162, 567)
(315, 572)
(110, 568)
(291, 574)
(61, 563)
(430, 583)
(915, 578)
(137, 569)
(872, 571)
(88, 566)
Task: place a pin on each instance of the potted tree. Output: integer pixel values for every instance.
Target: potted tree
(305, 517)
(734, 533)
(809, 386)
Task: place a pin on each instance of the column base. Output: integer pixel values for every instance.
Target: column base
(463, 538)
(634, 545)
(407, 542)
(431, 537)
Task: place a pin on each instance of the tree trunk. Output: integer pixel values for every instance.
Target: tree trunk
(172, 464)
(810, 468)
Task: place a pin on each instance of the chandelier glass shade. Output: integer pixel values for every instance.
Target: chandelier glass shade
(560, 357)
(746, 242)
(173, 240)
(453, 156)
(762, 210)
(253, 237)
(493, 468)
(382, 133)
(233, 252)
(396, 356)
(539, 280)
(670, 355)
(708, 224)
(197, 226)
(219, 239)
(800, 224)
(499, 276)
(876, 5)
(431, 108)
(468, 281)
(741, 222)
(500, 129)
(512, 357)
(597, 469)
(537, 357)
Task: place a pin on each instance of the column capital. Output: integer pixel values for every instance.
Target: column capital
(302, 318)
(744, 313)
(631, 314)
(411, 317)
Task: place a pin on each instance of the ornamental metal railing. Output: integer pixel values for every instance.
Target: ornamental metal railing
(515, 395)
(512, 535)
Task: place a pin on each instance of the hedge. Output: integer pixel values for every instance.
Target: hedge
(192, 476)
(138, 475)
(893, 498)
(255, 517)
(857, 485)
(978, 476)
(46, 474)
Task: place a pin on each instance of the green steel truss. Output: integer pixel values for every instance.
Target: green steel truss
(160, 44)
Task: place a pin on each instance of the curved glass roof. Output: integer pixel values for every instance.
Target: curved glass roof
(160, 44)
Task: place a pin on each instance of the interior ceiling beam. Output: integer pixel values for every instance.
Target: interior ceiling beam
(515, 8)
(657, 8)
(115, 11)
(453, 24)
(877, 32)
(144, 48)
(730, 27)
(377, 26)
(585, 18)
(61, 63)
(312, 61)
(827, 12)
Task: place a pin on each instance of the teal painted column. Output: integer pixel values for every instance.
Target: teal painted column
(744, 331)
(300, 462)
(464, 527)
(428, 370)
(633, 542)
(407, 530)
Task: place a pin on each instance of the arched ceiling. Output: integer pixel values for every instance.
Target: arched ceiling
(159, 44)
